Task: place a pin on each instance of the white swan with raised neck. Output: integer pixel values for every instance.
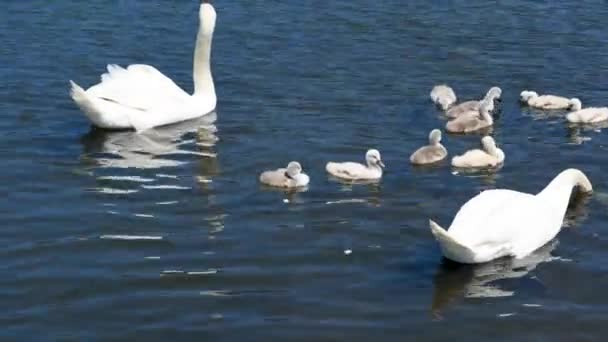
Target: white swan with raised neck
(140, 97)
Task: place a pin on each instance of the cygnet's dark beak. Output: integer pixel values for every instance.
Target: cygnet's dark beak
(204, 2)
(381, 163)
(499, 100)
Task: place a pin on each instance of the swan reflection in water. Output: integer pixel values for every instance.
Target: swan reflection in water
(454, 281)
(149, 149)
(575, 131)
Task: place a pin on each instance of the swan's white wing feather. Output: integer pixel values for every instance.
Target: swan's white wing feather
(141, 87)
(348, 170)
(497, 217)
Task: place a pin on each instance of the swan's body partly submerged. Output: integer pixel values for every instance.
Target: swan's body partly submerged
(472, 107)
(290, 177)
(431, 153)
(141, 97)
(490, 156)
(443, 96)
(498, 223)
(474, 121)
(357, 171)
(532, 99)
(589, 115)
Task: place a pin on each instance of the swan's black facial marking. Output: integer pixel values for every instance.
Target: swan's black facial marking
(288, 175)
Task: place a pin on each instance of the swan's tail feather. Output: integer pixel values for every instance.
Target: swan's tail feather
(76, 92)
(81, 98)
(84, 102)
(451, 248)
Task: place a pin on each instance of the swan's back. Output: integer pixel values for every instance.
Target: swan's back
(140, 87)
(428, 154)
(350, 170)
(477, 158)
(517, 221)
(549, 102)
(466, 123)
(275, 178)
(463, 109)
(588, 115)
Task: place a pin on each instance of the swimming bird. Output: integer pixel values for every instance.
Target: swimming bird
(431, 153)
(141, 97)
(490, 156)
(357, 171)
(290, 177)
(532, 99)
(474, 121)
(498, 223)
(586, 115)
(468, 107)
(443, 96)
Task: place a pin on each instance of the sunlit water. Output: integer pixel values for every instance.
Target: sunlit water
(168, 235)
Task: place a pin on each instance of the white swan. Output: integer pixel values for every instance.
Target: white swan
(290, 177)
(356, 171)
(532, 99)
(431, 153)
(586, 115)
(141, 97)
(476, 120)
(498, 223)
(490, 156)
(468, 107)
(443, 96)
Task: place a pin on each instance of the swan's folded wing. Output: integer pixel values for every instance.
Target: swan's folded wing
(495, 216)
(141, 87)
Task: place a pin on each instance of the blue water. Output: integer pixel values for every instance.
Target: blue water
(300, 81)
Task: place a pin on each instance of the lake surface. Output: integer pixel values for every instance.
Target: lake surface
(303, 81)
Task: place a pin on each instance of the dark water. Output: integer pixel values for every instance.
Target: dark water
(308, 81)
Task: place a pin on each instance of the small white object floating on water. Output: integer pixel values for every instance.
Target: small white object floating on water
(132, 237)
(189, 273)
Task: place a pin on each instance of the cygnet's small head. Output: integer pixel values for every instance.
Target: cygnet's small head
(207, 17)
(488, 144)
(494, 93)
(293, 169)
(575, 104)
(435, 137)
(527, 95)
(373, 158)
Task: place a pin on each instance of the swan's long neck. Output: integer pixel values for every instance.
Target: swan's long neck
(485, 115)
(493, 150)
(371, 165)
(203, 80)
(558, 192)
